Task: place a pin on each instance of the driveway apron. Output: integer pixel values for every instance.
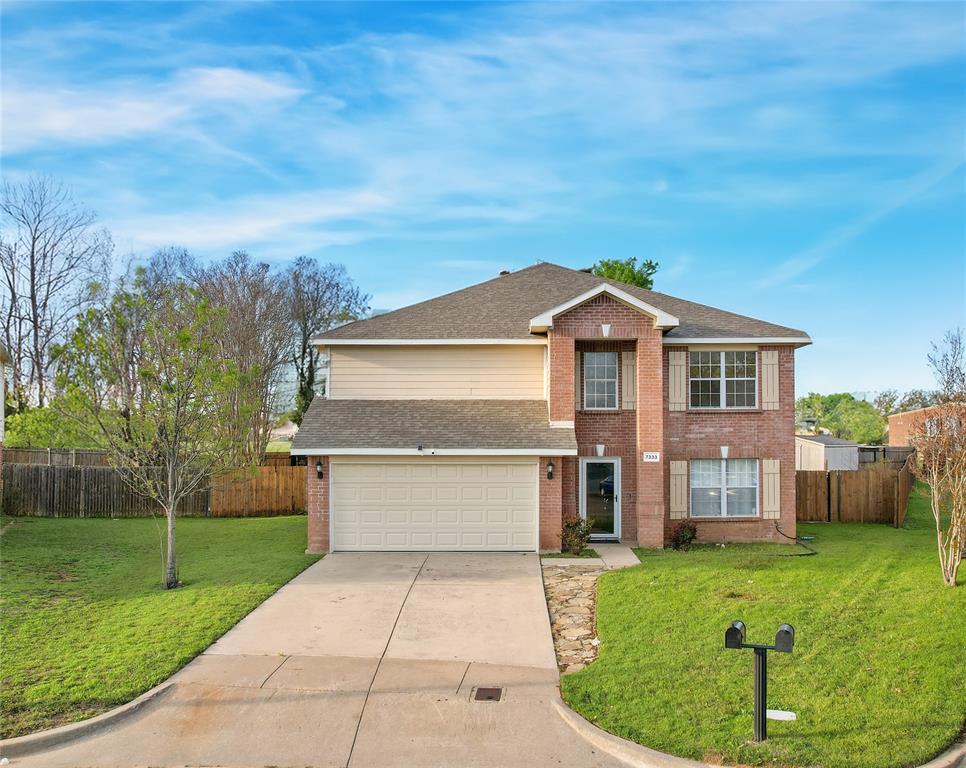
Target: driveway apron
(365, 660)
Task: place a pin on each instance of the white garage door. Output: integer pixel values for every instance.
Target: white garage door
(434, 505)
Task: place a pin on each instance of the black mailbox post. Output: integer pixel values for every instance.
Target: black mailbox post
(784, 642)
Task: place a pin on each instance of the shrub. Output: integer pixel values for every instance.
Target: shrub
(576, 534)
(682, 534)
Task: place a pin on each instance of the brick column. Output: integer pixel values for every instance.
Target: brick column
(561, 351)
(551, 504)
(317, 505)
(650, 437)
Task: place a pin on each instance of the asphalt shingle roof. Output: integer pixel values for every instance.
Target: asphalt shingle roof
(501, 308)
(434, 424)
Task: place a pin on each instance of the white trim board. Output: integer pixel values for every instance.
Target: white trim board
(326, 342)
(739, 340)
(429, 452)
(662, 319)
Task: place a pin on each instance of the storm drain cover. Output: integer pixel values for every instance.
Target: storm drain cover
(488, 694)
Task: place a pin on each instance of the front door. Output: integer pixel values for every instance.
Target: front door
(600, 494)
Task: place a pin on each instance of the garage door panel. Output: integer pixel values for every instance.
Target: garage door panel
(474, 506)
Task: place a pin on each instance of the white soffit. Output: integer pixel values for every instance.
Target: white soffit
(544, 321)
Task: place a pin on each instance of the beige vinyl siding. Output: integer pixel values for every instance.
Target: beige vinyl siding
(770, 489)
(679, 490)
(677, 380)
(629, 380)
(769, 380)
(514, 372)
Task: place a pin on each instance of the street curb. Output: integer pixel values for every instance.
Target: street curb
(634, 755)
(638, 756)
(954, 757)
(22, 746)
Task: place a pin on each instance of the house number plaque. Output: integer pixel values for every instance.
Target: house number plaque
(652, 456)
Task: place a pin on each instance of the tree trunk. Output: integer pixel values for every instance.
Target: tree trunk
(171, 564)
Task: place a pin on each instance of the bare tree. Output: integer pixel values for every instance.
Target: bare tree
(258, 340)
(53, 260)
(940, 441)
(320, 297)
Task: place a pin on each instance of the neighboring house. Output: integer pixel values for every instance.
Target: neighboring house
(824, 452)
(902, 426)
(482, 419)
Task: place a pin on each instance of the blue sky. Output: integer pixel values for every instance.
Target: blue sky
(802, 163)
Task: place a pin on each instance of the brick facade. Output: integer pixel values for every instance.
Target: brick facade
(624, 433)
(678, 435)
(317, 505)
(902, 426)
(628, 433)
(551, 504)
(748, 434)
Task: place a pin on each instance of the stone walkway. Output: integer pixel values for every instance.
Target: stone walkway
(571, 589)
(572, 598)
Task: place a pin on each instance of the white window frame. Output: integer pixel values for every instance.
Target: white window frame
(617, 381)
(723, 381)
(723, 489)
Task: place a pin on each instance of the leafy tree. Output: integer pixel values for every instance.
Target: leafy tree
(148, 373)
(627, 271)
(50, 427)
(843, 416)
(860, 422)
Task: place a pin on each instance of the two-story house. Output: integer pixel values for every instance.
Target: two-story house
(482, 419)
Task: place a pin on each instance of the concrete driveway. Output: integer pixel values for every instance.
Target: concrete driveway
(365, 660)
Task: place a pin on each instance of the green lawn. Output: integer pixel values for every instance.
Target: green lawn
(84, 625)
(877, 676)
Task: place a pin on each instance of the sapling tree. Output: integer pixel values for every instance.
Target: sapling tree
(939, 437)
(147, 371)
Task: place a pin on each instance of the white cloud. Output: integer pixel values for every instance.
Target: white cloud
(38, 115)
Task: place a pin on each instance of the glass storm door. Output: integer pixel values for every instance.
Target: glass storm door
(600, 496)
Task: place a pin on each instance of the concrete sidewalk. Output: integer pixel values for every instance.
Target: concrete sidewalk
(365, 660)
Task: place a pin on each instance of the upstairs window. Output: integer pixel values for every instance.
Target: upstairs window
(724, 488)
(723, 379)
(600, 380)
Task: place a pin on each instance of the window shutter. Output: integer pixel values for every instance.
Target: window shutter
(629, 380)
(679, 490)
(771, 489)
(578, 405)
(677, 380)
(769, 380)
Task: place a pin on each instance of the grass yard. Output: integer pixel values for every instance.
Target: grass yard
(877, 676)
(84, 624)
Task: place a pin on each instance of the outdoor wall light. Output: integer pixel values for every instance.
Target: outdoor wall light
(549, 470)
(318, 470)
(784, 642)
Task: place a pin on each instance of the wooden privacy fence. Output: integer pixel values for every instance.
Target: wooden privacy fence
(275, 490)
(876, 494)
(56, 457)
(52, 491)
(93, 457)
